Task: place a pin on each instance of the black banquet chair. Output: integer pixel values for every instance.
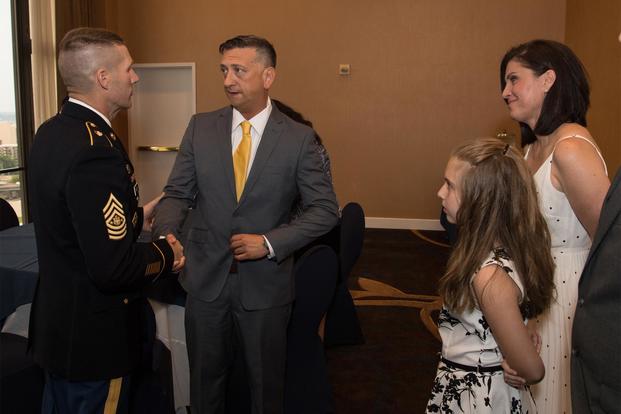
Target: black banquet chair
(450, 228)
(21, 380)
(307, 387)
(342, 325)
(8, 217)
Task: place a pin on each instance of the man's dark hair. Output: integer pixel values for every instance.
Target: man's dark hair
(262, 46)
(568, 98)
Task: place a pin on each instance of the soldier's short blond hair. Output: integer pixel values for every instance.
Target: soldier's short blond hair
(84, 50)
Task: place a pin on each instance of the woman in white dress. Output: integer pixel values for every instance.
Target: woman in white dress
(546, 90)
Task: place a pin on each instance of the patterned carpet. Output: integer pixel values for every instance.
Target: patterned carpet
(394, 279)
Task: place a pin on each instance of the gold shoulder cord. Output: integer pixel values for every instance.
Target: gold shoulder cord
(162, 267)
(90, 127)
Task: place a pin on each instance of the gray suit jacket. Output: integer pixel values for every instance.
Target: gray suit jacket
(596, 339)
(286, 165)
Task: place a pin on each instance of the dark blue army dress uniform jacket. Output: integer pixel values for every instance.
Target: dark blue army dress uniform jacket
(87, 315)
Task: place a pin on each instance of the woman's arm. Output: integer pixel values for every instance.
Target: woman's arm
(581, 176)
(498, 297)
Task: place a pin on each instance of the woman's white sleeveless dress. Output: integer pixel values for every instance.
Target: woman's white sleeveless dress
(570, 248)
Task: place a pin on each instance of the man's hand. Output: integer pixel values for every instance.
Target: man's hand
(248, 246)
(179, 260)
(148, 211)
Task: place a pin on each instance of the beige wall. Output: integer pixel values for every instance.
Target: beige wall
(424, 76)
(593, 28)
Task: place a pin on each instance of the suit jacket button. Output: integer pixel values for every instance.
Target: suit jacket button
(575, 352)
(126, 301)
(580, 302)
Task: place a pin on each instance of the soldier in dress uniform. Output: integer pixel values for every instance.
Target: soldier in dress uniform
(86, 323)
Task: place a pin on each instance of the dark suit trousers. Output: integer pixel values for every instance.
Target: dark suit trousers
(212, 331)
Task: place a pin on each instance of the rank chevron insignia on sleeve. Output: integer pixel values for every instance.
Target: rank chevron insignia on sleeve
(115, 218)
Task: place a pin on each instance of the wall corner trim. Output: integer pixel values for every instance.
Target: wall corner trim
(402, 223)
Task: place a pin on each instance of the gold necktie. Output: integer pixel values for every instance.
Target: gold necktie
(241, 158)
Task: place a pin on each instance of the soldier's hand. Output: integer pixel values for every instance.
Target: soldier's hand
(148, 211)
(248, 246)
(179, 260)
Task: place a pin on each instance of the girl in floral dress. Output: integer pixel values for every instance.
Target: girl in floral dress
(499, 274)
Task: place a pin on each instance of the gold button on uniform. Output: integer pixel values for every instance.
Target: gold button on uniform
(126, 301)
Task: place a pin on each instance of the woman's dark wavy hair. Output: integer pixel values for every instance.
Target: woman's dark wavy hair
(568, 98)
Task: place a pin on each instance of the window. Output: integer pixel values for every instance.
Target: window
(15, 103)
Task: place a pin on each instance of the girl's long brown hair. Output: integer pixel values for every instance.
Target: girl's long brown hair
(499, 206)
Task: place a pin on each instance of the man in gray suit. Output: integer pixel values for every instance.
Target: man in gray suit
(596, 341)
(242, 167)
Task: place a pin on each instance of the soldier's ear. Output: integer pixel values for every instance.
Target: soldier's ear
(102, 76)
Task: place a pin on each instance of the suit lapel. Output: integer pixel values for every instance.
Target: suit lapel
(610, 210)
(270, 138)
(223, 136)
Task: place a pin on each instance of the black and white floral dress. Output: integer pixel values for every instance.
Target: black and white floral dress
(467, 343)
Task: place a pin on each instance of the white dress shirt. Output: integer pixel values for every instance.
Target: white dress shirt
(258, 123)
(84, 104)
